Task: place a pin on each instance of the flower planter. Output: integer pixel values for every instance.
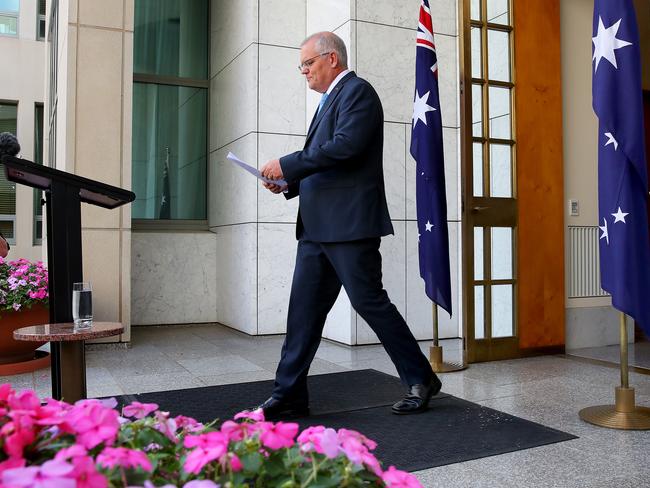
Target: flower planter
(21, 356)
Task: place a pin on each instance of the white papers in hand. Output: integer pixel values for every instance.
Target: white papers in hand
(254, 171)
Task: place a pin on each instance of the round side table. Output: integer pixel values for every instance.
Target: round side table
(69, 365)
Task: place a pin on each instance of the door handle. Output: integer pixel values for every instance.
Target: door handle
(479, 209)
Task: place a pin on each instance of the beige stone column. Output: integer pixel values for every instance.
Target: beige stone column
(93, 137)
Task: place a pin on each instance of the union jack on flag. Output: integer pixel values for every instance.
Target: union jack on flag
(426, 149)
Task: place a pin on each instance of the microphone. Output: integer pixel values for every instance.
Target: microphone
(8, 144)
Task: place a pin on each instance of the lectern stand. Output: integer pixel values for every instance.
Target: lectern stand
(64, 194)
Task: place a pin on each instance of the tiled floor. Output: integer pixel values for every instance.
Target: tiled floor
(550, 390)
(638, 354)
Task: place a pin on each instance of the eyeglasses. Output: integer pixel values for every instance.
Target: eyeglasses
(308, 62)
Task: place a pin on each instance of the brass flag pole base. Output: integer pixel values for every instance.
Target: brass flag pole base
(435, 351)
(438, 365)
(625, 415)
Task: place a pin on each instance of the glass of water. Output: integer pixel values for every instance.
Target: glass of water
(82, 305)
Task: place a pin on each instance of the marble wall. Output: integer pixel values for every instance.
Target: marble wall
(173, 278)
(261, 108)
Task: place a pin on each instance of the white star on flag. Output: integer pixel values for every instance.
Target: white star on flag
(611, 140)
(605, 43)
(605, 234)
(619, 216)
(420, 108)
(429, 226)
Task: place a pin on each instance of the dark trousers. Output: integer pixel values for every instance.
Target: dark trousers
(321, 269)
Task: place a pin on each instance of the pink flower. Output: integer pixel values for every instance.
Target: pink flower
(277, 436)
(399, 479)
(13, 462)
(234, 430)
(71, 452)
(52, 474)
(139, 410)
(16, 306)
(208, 447)
(166, 425)
(201, 484)
(92, 422)
(200, 456)
(235, 463)
(126, 458)
(255, 415)
(188, 423)
(346, 433)
(6, 391)
(330, 444)
(206, 441)
(322, 440)
(18, 433)
(86, 474)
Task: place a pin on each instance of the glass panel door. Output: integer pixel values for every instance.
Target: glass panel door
(490, 199)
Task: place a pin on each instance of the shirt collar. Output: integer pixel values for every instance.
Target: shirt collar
(336, 80)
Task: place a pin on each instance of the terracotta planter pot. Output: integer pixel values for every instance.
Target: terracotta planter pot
(12, 351)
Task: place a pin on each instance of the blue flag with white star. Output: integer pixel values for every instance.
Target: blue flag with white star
(426, 148)
(622, 173)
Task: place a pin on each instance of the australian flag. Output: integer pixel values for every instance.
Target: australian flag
(622, 172)
(426, 148)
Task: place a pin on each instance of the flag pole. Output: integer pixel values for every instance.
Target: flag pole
(435, 351)
(624, 415)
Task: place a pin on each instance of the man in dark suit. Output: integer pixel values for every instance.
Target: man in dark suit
(342, 216)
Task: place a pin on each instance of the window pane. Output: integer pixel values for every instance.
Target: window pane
(171, 38)
(478, 253)
(476, 52)
(8, 123)
(38, 159)
(41, 29)
(8, 25)
(169, 130)
(477, 111)
(502, 311)
(9, 5)
(479, 313)
(501, 253)
(475, 11)
(498, 56)
(477, 165)
(497, 11)
(499, 112)
(500, 171)
(41, 7)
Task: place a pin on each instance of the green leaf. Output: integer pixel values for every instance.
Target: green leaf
(252, 461)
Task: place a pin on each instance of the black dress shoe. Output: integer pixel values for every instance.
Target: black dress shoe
(417, 399)
(275, 408)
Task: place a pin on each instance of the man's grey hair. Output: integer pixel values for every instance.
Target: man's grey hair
(329, 42)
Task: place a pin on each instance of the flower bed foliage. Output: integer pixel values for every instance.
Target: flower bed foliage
(90, 445)
(22, 284)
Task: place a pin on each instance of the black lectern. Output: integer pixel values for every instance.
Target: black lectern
(64, 194)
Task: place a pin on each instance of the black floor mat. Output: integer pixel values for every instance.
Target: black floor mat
(451, 431)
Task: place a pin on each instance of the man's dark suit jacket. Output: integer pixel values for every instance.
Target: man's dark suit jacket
(339, 173)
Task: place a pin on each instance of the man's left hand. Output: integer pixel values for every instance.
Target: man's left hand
(272, 170)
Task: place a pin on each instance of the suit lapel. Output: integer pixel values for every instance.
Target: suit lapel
(328, 103)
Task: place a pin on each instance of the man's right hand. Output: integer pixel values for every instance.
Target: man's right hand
(273, 188)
